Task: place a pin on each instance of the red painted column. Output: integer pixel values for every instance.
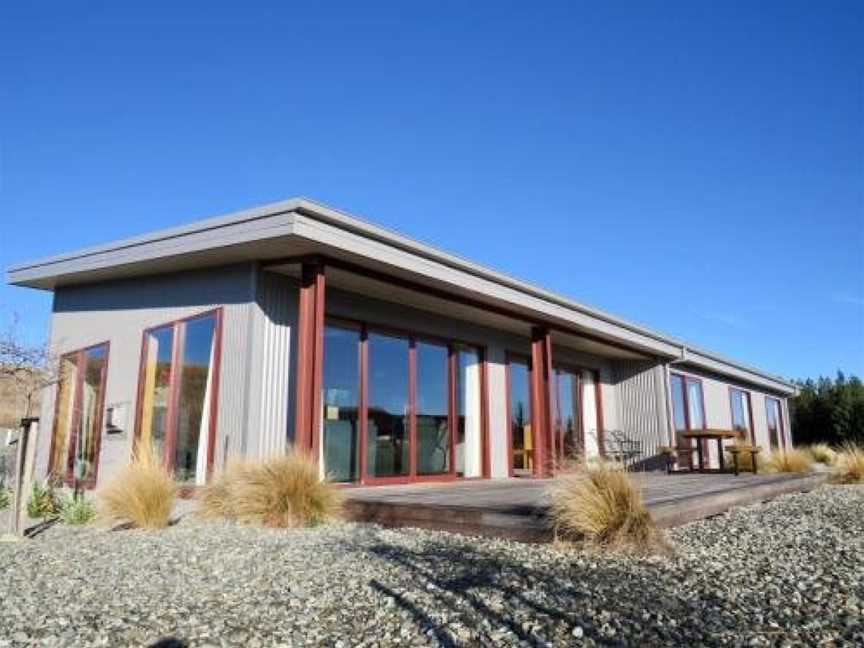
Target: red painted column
(541, 401)
(310, 359)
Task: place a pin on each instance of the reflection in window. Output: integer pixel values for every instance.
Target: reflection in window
(433, 421)
(568, 444)
(196, 392)
(78, 420)
(176, 401)
(468, 445)
(341, 403)
(520, 418)
(159, 344)
(388, 406)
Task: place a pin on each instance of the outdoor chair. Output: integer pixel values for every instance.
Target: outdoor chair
(738, 449)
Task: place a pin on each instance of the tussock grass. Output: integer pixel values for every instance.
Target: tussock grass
(849, 466)
(141, 495)
(792, 460)
(821, 453)
(600, 504)
(282, 491)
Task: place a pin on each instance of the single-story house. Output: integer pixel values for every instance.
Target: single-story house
(389, 360)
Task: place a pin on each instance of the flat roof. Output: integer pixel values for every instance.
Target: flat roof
(301, 225)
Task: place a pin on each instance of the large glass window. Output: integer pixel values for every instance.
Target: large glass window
(741, 413)
(520, 417)
(775, 426)
(177, 394)
(341, 402)
(78, 415)
(388, 406)
(468, 445)
(433, 416)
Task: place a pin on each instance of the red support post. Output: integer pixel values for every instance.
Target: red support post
(310, 359)
(541, 400)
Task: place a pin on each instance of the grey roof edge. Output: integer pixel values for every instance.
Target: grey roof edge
(350, 222)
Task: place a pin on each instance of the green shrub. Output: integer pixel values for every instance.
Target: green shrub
(5, 498)
(43, 502)
(77, 511)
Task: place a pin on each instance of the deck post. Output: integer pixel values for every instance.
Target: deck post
(310, 359)
(541, 401)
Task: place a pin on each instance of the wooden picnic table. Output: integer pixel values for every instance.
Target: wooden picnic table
(708, 434)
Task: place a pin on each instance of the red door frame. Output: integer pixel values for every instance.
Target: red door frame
(752, 430)
(687, 422)
(781, 437)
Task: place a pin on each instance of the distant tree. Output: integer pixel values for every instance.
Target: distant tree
(830, 411)
(27, 367)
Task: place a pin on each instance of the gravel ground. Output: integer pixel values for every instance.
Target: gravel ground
(790, 572)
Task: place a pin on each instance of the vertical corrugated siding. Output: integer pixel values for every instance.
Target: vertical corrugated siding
(275, 314)
(640, 397)
(119, 311)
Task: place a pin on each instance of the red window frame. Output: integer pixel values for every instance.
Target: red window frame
(177, 346)
(780, 432)
(412, 337)
(68, 475)
(751, 435)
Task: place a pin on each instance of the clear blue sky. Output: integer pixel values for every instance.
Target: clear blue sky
(698, 167)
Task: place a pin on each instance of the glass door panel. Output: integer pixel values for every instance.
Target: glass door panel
(388, 412)
(522, 443)
(433, 404)
(341, 404)
(772, 408)
(568, 444)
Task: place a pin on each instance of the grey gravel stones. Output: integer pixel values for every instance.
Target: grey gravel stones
(788, 572)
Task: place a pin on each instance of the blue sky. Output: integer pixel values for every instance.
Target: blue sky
(697, 167)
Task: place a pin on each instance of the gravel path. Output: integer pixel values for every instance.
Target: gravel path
(786, 573)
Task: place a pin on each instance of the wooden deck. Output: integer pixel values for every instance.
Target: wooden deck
(517, 508)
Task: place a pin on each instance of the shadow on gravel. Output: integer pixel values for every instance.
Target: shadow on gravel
(539, 604)
(169, 642)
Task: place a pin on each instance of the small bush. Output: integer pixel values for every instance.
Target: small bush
(5, 498)
(600, 504)
(792, 460)
(283, 491)
(821, 453)
(141, 495)
(43, 502)
(77, 511)
(849, 467)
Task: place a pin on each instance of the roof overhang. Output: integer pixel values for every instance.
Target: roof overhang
(301, 227)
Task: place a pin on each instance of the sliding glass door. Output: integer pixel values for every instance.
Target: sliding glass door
(519, 414)
(569, 444)
(399, 407)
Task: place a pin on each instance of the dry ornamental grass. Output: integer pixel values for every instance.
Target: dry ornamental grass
(821, 453)
(141, 495)
(792, 460)
(283, 491)
(600, 504)
(849, 465)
